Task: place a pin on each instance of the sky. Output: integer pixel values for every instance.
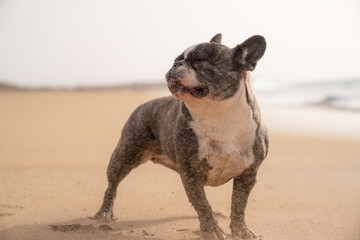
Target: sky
(102, 42)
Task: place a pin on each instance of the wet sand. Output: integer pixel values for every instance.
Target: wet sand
(54, 150)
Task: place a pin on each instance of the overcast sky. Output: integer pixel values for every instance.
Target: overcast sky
(79, 42)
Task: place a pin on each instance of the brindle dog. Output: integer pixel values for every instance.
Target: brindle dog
(209, 131)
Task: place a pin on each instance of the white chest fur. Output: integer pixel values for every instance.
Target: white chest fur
(226, 133)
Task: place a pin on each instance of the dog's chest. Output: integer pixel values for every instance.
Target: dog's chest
(226, 144)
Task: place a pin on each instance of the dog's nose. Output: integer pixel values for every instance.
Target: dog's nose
(172, 70)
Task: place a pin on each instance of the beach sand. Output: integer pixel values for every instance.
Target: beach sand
(55, 147)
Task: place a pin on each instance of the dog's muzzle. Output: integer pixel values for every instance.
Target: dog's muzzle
(175, 85)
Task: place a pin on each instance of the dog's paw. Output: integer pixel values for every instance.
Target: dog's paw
(244, 234)
(217, 234)
(104, 214)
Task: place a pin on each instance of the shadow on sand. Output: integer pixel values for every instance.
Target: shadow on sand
(88, 228)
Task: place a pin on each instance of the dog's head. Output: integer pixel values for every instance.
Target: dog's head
(212, 70)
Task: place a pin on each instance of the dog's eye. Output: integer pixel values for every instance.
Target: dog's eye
(191, 63)
(196, 63)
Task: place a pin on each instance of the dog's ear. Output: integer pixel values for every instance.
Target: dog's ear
(217, 38)
(247, 54)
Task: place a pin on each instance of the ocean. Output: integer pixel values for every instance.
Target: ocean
(342, 94)
(339, 94)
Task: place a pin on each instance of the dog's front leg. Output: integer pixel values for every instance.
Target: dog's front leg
(186, 152)
(196, 193)
(241, 189)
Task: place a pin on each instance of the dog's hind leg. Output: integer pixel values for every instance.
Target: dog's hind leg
(127, 155)
(120, 165)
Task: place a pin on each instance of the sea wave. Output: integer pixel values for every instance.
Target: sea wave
(340, 94)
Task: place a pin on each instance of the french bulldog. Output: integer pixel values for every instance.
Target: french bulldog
(210, 131)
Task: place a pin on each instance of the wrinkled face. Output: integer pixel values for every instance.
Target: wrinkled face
(212, 70)
(203, 70)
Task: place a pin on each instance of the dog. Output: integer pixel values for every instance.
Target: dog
(210, 131)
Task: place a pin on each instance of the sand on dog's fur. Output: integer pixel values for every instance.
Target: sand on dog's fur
(54, 150)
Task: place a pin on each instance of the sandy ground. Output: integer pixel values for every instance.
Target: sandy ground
(54, 150)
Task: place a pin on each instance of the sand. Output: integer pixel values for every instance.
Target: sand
(54, 150)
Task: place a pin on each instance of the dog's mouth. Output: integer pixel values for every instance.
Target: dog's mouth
(176, 85)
